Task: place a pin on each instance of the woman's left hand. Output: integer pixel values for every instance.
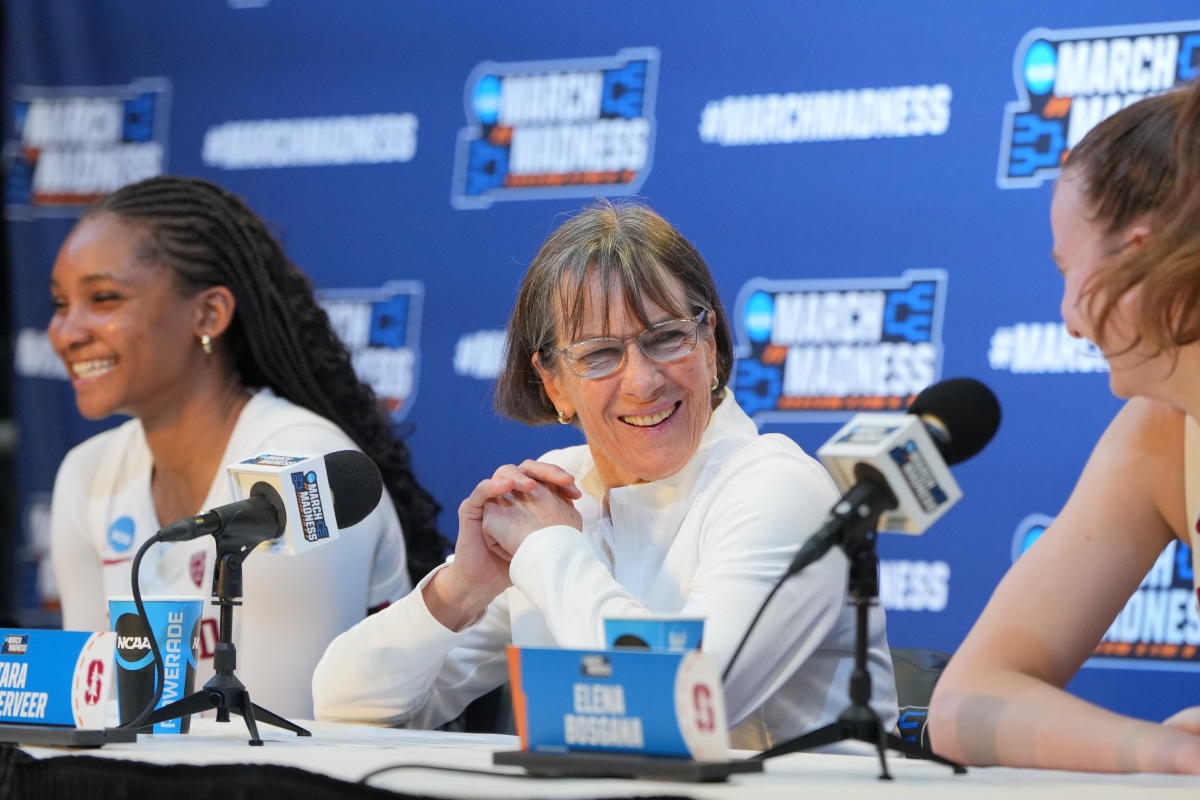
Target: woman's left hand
(546, 501)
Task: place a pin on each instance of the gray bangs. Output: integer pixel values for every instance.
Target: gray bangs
(638, 278)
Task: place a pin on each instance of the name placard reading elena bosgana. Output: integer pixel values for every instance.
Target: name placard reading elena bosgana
(622, 701)
(55, 677)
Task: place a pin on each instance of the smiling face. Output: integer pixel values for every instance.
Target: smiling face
(127, 335)
(1082, 250)
(644, 421)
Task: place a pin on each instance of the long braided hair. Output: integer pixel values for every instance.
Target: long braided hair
(279, 337)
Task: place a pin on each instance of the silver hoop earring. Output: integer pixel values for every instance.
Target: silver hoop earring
(206, 344)
(716, 382)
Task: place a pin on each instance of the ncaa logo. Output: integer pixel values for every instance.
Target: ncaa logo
(486, 100)
(1040, 64)
(760, 308)
(121, 534)
(1028, 531)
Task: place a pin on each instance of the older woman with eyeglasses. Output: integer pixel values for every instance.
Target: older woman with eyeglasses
(675, 504)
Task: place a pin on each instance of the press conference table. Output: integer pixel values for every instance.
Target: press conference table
(348, 752)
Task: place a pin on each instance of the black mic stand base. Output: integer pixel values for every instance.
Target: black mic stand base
(848, 726)
(224, 691)
(226, 694)
(859, 721)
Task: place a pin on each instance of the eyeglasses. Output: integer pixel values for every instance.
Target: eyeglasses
(604, 355)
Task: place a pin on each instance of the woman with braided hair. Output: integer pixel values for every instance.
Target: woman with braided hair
(173, 304)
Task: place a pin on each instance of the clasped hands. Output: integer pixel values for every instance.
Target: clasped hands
(516, 501)
(493, 522)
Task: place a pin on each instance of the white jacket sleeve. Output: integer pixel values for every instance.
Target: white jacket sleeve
(749, 533)
(403, 667)
(77, 566)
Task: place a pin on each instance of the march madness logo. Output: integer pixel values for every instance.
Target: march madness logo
(577, 127)
(312, 510)
(70, 146)
(1159, 627)
(919, 476)
(822, 350)
(1069, 80)
(382, 328)
(14, 644)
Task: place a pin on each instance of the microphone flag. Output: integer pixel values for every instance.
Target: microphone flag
(898, 447)
(302, 482)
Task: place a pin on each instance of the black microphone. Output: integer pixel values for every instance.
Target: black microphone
(355, 486)
(961, 414)
(898, 463)
(260, 513)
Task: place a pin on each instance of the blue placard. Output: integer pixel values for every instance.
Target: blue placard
(55, 677)
(620, 701)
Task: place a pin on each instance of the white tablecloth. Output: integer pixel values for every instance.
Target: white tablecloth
(349, 752)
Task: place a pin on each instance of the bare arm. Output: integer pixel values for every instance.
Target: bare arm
(1001, 700)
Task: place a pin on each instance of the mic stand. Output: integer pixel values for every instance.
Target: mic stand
(859, 721)
(224, 691)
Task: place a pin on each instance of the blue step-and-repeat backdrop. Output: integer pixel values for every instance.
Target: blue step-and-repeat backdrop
(869, 180)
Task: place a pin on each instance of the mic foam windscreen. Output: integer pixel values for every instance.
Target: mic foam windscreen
(356, 485)
(967, 409)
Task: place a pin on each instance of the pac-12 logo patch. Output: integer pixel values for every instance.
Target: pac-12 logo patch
(577, 127)
(382, 329)
(69, 146)
(196, 566)
(1069, 80)
(821, 350)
